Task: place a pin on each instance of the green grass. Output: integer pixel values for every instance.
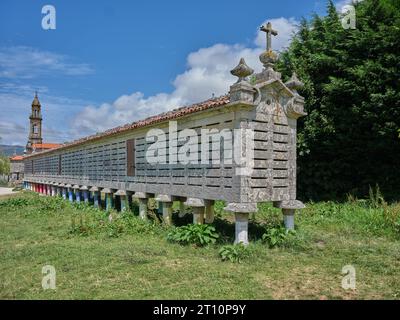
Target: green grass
(130, 259)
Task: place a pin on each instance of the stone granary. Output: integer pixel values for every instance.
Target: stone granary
(239, 148)
(16, 168)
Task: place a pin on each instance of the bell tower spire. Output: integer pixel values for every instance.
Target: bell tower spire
(35, 128)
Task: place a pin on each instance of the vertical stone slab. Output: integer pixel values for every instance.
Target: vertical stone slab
(166, 202)
(241, 228)
(288, 210)
(288, 218)
(85, 194)
(123, 200)
(96, 196)
(143, 199)
(143, 208)
(167, 213)
(198, 206)
(198, 215)
(241, 211)
(77, 192)
(64, 192)
(209, 211)
(109, 198)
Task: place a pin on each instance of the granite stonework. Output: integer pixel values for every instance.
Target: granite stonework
(115, 162)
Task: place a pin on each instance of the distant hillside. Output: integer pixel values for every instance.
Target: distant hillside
(11, 150)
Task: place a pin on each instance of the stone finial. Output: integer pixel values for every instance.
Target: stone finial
(268, 59)
(294, 83)
(242, 71)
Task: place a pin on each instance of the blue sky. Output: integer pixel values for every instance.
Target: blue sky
(113, 62)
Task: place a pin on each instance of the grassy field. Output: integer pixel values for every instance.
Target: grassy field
(125, 258)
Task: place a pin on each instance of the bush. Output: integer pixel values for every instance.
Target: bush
(234, 253)
(15, 202)
(198, 234)
(276, 237)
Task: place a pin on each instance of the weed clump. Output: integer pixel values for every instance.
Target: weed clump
(197, 234)
(235, 253)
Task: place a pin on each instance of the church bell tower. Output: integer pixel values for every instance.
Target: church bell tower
(35, 128)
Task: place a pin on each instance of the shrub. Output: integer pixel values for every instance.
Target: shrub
(198, 234)
(234, 253)
(15, 202)
(276, 237)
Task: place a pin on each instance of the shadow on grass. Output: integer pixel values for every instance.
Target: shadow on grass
(226, 230)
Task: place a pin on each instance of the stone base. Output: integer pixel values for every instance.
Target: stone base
(241, 211)
(289, 208)
(241, 228)
(143, 208)
(198, 215)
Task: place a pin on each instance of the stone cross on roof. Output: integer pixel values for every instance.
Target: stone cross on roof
(269, 31)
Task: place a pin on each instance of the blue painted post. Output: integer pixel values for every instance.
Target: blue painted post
(77, 195)
(70, 194)
(123, 199)
(86, 196)
(96, 199)
(109, 201)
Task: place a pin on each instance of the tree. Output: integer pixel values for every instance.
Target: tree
(4, 164)
(349, 140)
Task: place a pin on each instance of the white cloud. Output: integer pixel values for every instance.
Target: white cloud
(207, 74)
(285, 27)
(15, 102)
(341, 3)
(22, 62)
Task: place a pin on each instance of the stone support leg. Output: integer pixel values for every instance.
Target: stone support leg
(198, 206)
(167, 212)
(96, 199)
(143, 208)
(209, 211)
(77, 195)
(241, 211)
(241, 228)
(198, 215)
(289, 208)
(70, 195)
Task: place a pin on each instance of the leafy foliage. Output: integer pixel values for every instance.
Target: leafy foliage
(4, 165)
(234, 253)
(277, 236)
(349, 139)
(90, 221)
(198, 234)
(15, 202)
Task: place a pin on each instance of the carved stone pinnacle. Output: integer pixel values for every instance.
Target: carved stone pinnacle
(242, 70)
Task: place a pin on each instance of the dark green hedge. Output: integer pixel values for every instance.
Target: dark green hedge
(350, 139)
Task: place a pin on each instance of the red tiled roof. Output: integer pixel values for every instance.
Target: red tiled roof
(170, 115)
(46, 145)
(16, 158)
